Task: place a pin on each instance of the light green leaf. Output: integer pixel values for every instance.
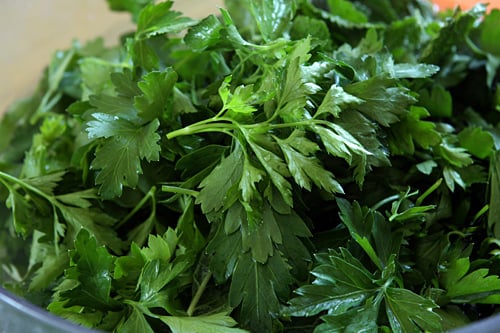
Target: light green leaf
(413, 71)
(347, 11)
(272, 16)
(213, 323)
(478, 142)
(409, 312)
(490, 32)
(204, 34)
(465, 286)
(160, 19)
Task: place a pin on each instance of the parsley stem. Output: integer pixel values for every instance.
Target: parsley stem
(149, 195)
(201, 127)
(198, 294)
(27, 186)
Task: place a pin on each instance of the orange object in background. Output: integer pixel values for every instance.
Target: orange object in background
(465, 4)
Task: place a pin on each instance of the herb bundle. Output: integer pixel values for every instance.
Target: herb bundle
(286, 166)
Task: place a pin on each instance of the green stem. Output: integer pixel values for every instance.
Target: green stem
(385, 201)
(201, 127)
(33, 189)
(5, 178)
(199, 293)
(179, 190)
(431, 189)
(149, 195)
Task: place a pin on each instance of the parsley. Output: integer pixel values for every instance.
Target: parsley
(287, 165)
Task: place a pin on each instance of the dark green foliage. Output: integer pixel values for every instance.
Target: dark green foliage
(280, 167)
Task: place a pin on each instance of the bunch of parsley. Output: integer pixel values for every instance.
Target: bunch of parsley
(286, 166)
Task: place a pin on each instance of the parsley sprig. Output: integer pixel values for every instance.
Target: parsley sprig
(285, 166)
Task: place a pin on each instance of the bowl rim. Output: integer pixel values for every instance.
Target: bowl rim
(39, 314)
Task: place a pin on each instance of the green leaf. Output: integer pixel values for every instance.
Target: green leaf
(452, 177)
(478, 142)
(426, 167)
(239, 100)
(116, 106)
(213, 323)
(412, 129)
(157, 89)
(404, 210)
(335, 99)
(46, 183)
(96, 76)
(275, 167)
(219, 189)
(341, 283)
(453, 33)
(129, 266)
(132, 6)
(383, 102)
(456, 156)
(161, 247)
(80, 199)
(409, 312)
(272, 17)
(94, 221)
(22, 212)
(362, 319)
(258, 288)
(223, 250)
(438, 101)
(136, 322)
(259, 236)
(204, 34)
(465, 286)
(119, 156)
(91, 266)
(306, 26)
(494, 201)
(347, 11)
(157, 275)
(305, 168)
(251, 176)
(143, 54)
(160, 19)
(53, 266)
(294, 234)
(490, 32)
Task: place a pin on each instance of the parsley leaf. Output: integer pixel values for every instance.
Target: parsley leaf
(160, 19)
(219, 322)
(119, 157)
(91, 268)
(476, 286)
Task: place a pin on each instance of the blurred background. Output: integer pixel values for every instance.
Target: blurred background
(32, 30)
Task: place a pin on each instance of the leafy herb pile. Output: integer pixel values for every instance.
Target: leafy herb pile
(285, 166)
